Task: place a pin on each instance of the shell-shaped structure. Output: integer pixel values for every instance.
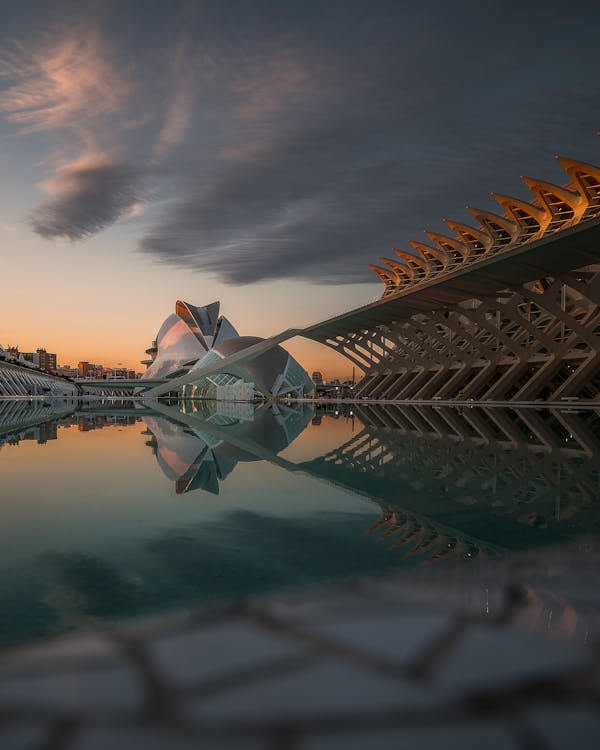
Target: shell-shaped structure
(194, 337)
(185, 337)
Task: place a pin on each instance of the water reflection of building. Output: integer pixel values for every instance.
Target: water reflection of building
(507, 478)
(417, 535)
(41, 420)
(449, 483)
(197, 445)
(87, 422)
(450, 487)
(41, 434)
(31, 420)
(456, 485)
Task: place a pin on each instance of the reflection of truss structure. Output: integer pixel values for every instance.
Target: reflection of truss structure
(417, 535)
(506, 310)
(449, 484)
(529, 470)
(18, 416)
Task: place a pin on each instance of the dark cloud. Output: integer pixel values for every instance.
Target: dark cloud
(306, 140)
(320, 200)
(86, 199)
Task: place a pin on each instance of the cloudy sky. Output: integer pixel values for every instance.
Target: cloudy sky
(261, 152)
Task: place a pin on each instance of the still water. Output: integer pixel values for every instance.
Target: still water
(114, 511)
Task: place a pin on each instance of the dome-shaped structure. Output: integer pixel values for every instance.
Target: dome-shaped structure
(194, 337)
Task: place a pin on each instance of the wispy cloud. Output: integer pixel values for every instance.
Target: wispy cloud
(70, 83)
(267, 84)
(183, 85)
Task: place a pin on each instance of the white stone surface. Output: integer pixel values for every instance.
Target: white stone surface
(568, 728)
(492, 657)
(93, 690)
(328, 688)
(477, 736)
(397, 638)
(155, 738)
(216, 651)
(22, 736)
(58, 653)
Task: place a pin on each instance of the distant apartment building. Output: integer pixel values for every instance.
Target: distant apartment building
(41, 358)
(119, 373)
(67, 371)
(100, 372)
(317, 378)
(44, 360)
(86, 370)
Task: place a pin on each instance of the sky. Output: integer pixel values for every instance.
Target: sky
(261, 153)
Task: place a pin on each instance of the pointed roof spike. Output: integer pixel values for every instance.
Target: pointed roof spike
(503, 221)
(383, 274)
(574, 169)
(568, 163)
(437, 237)
(484, 237)
(398, 266)
(441, 239)
(202, 321)
(540, 186)
(378, 268)
(421, 248)
(508, 202)
(410, 257)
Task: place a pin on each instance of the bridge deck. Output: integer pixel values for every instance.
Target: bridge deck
(122, 383)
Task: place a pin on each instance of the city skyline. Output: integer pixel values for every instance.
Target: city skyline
(259, 154)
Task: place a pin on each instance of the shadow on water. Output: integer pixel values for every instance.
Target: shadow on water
(442, 486)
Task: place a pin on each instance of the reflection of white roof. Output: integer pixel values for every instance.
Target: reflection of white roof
(205, 452)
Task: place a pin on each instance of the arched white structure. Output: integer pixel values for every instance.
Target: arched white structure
(193, 338)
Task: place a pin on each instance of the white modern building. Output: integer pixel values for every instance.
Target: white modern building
(194, 338)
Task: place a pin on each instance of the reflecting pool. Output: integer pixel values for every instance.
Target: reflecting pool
(117, 510)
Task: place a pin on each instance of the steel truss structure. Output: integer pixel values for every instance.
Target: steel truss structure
(536, 341)
(16, 380)
(508, 310)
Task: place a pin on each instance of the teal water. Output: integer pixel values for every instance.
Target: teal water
(114, 511)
